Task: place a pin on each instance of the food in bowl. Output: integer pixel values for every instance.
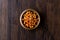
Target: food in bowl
(30, 19)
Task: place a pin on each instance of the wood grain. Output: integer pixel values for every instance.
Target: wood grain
(49, 28)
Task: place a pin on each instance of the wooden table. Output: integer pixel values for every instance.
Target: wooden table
(49, 28)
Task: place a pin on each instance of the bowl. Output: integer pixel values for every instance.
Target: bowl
(29, 19)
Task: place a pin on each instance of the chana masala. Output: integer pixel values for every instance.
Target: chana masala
(30, 19)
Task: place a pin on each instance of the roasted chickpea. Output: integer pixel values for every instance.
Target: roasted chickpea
(30, 19)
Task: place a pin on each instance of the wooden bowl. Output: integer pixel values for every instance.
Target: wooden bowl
(25, 19)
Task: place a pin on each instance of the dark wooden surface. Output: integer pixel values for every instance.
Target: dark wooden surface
(49, 28)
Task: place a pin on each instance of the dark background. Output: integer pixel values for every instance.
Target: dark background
(49, 28)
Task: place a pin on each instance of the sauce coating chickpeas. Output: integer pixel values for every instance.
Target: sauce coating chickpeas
(30, 19)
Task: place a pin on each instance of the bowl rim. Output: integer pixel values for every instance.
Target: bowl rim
(22, 23)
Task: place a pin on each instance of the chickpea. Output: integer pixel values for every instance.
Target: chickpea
(30, 19)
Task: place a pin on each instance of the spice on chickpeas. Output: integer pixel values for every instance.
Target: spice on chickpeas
(30, 19)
